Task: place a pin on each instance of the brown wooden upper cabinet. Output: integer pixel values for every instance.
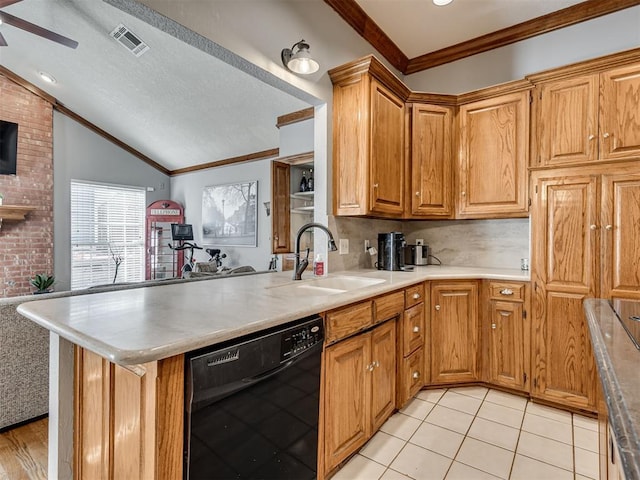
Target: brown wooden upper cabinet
(494, 150)
(588, 118)
(368, 140)
(431, 175)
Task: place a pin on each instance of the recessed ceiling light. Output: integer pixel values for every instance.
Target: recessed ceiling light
(48, 77)
(441, 3)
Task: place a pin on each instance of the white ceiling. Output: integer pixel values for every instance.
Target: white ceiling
(183, 106)
(175, 104)
(418, 26)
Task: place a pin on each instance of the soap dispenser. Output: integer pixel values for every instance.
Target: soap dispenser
(318, 266)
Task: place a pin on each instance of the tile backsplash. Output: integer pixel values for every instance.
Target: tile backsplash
(474, 243)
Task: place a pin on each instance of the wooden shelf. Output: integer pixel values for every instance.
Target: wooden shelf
(14, 212)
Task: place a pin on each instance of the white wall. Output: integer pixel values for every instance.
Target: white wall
(187, 190)
(594, 38)
(80, 154)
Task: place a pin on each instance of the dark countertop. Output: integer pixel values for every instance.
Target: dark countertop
(618, 363)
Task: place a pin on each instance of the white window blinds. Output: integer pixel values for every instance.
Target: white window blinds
(107, 227)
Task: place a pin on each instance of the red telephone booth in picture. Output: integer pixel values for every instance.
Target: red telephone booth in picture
(161, 261)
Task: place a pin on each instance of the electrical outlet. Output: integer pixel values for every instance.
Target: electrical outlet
(344, 246)
(367, 245)
(419, 241)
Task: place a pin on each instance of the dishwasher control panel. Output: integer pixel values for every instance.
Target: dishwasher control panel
(301, 338)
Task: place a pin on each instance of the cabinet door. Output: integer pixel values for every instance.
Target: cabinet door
(431, 161)
(347, 398)
(494, 148)
(619, 106)
(454, 332)
(568, 121)
(280, 208)
(387, 157)
(565, 252)
(383, 373)
(350, 146)
(621, 235)
(506, 344)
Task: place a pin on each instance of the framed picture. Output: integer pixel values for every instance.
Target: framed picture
(229, 214)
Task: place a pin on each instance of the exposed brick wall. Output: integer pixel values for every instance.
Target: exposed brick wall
(26, 247)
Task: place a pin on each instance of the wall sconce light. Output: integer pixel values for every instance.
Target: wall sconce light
(299, 61)
(267, 207)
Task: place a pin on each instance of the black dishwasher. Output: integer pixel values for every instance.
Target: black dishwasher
(252, 404)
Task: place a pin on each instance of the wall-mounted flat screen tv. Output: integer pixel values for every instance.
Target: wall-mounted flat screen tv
(8, 147)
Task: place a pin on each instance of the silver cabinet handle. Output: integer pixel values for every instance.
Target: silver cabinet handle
(608, 227)
(591, 137)
(464, 194)
(416, 375)
(605, 135)
(505, 314)
(437, 307)
(506, 291)
(417, 194)
(369, 367)
(416, 296)
(593, 227)
(493, 326)
(376, 363)
(375, 185)
(416, 329)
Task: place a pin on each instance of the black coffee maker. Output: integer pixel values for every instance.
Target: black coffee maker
(391, 251)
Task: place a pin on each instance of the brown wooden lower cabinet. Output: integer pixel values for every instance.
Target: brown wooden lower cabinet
(359, 390)
(454, 332)
(128, 422)
(507, 356)
(412, 344)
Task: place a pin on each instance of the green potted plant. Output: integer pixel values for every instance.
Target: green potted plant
(42, 283)
(1, 197)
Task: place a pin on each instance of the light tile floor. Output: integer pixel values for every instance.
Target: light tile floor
(469, 433)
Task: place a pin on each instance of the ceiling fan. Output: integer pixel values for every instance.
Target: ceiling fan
(30, 27)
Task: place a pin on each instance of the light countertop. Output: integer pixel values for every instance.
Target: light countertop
(617, 360)
(145, 324)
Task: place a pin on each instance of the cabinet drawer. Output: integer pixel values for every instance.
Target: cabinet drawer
(345, 321)
(507, 291)
(413, 329)
(388, 306)
(414, 295)
(412, 375)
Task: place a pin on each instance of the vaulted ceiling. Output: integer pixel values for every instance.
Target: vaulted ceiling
(178, 106)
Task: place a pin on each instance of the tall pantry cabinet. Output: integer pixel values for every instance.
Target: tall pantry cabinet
(585, 214)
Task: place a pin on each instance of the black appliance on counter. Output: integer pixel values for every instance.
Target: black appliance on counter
(252, 405)
(628, 311)
(391, 251)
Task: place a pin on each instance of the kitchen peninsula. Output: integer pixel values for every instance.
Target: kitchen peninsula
(130, 345)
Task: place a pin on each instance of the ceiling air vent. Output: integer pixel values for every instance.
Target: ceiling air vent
(129, 40)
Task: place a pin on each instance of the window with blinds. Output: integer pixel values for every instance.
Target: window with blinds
(107, 229)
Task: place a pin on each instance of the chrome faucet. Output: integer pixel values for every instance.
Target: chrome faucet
(301, 265)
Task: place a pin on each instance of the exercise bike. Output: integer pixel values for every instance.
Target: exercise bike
(190, 260)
